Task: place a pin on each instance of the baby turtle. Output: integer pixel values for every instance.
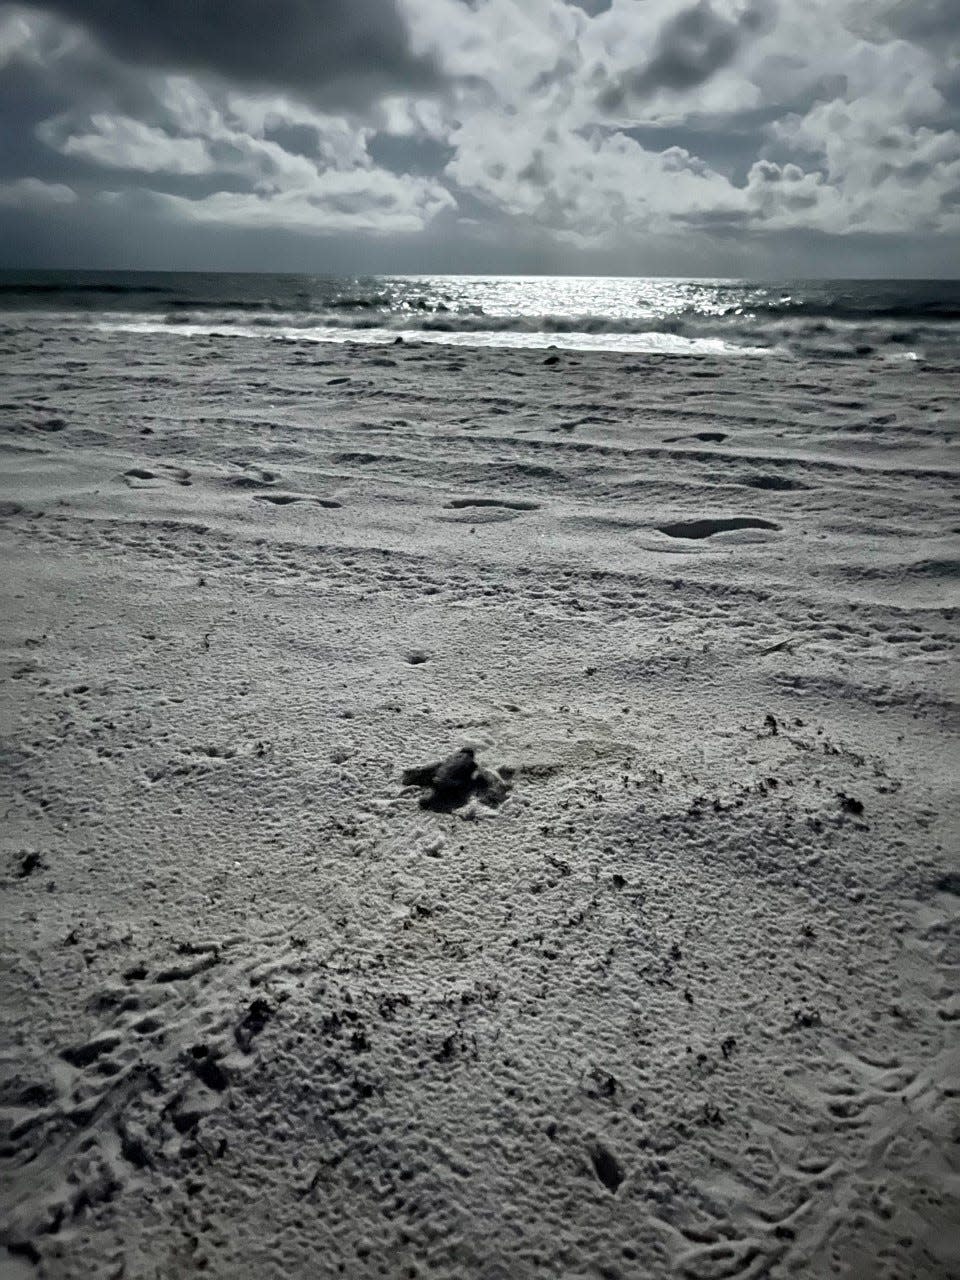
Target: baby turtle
(449, 783)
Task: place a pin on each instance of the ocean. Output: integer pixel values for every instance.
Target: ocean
(825, 319)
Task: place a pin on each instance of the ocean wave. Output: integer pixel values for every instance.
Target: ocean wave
(648, 341)
(824, 338)
(473, 322)
(817, 340)
(849, 311)
(62, 292)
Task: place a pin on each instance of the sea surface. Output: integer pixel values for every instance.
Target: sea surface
(843, 319)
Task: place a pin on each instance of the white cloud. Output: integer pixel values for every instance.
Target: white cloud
(120, 142)
(37, 39)
(16, 37)
(587, 188)
(26, 193)
(885, 175)
(371, 201)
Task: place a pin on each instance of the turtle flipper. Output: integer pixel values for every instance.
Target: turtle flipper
(448, 783)
(421, 775)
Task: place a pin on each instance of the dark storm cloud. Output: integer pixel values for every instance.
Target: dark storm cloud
(316, 47)
(52, 81)
(933, 20)
(690, 48)
(728, 149)
(592, 7)
(425, 156)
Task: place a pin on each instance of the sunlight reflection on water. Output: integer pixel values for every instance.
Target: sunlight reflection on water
(841, 319)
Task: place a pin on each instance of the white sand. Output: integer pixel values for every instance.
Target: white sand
(680, 1007)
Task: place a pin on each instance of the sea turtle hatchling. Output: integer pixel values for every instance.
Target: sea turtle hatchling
(450, 783)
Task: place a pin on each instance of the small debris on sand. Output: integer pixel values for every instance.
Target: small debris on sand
(850, 804)
(606, 1166)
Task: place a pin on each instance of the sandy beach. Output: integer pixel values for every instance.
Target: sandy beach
(664, 984)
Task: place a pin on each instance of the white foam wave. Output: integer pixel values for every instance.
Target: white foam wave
(649, 342)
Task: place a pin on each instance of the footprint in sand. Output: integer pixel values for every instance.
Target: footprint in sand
(709, 437)
(251, 480)
(141, 478)
(285, 499)
(459, 503)
(706, 528)
(491, 510)
(774, 482)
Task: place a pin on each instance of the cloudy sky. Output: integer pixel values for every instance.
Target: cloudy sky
(635, 136)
